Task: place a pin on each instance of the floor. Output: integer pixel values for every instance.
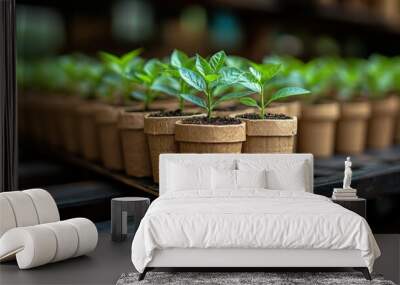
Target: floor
(103, 266)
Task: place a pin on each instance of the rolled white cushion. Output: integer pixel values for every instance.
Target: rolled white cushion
(23, 208)
(7, 218)
(37, 245)
(45, 205)
(67, 240)
(33, 246)
(87, 234)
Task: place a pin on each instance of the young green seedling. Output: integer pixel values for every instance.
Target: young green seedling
(81, 73)
(170, 81)
(145, 77)
(256, 80)
(208, 76)
(120, 65)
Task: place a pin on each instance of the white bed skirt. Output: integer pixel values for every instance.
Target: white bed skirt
(190, 257)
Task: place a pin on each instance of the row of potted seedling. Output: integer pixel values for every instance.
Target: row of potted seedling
(124, 118)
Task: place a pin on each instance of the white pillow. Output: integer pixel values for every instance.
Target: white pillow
(183, 177)
(281, 174)
(251, 178)
(223, 179)
(293, 180)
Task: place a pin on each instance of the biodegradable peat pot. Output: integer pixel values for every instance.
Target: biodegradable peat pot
(270, 135)
(381, 125)
(69, 124)
(351, 130)
(316, 133)
(87, 131)
(109, 138)
(197, 138)
(160, 133)
(135, 149)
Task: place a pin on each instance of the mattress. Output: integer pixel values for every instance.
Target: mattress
(250, 219)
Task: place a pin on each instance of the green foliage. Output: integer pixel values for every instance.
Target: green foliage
(211, 78)
(170, 81)
(120, 65)
(145, 77)
(257, 78)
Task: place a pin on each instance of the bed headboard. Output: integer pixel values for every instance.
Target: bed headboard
(212, 159)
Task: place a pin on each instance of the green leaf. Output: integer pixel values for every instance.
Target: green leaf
(202, 66)
(286, 92)
(166, 85)
(193, 79)
(211, 77)
(128, 57)
(179, 59)
(195, 100)
(138, 95)
(232, 96)
(237, 62)
(144, 78)
(249, 102)
(267, 70)
(108, 57)
(153, 67)
(217, 60)
(230, 75)
(256, 73)
(250, 82)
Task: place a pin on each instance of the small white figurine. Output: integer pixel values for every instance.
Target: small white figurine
(347, 174)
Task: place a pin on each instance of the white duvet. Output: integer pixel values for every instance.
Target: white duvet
(250, 219)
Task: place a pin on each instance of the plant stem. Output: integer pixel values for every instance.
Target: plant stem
(147, 99)
(262, 114)
(209, 109)
(182, 91)
(181, 104)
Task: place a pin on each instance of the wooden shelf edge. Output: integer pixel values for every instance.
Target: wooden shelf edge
(137, 183)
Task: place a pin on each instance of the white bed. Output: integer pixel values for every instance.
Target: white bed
(281, 224)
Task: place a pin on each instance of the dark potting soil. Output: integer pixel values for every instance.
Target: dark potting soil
(268, 116)
(176, 113)
(212, 121)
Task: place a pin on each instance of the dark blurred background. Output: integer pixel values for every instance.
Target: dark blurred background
(251, 28)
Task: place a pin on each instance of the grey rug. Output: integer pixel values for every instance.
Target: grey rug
(236, 278)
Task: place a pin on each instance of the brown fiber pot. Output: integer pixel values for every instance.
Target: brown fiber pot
(381, 125)
(160, 133)
(316, 133)
(351, 129)
(87, 131)
(193, 138)
(109, 139)
(135, 149)
(69, 124)
(270, 136)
